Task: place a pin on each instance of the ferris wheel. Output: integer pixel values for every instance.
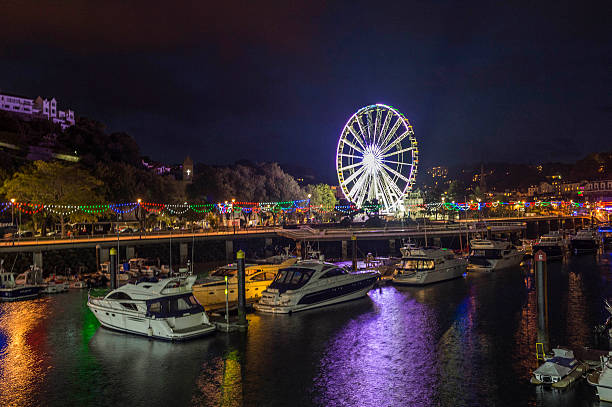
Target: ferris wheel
(377, 157)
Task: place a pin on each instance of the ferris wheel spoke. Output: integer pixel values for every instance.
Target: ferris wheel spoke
(383, 193)
(360, 197)
(393, 162)
(361, 128)
(376, 125)
(354, 193)
(389, 135)
(353, 146)
(397, 140)
(385, 125)
(359, 140)
(392, 186)
(370, 130)
(398, 174)
(354, 175)
(350, 156)
(348, 167)
(398, 152)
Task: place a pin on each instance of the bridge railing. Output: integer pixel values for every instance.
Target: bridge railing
(162, 234)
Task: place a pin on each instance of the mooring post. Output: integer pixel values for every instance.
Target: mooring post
(113, 268)
(98, 257)
(241, 289)
(542, 296)
(354, 251)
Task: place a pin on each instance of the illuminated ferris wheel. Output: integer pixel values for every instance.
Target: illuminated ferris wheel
(377, 157)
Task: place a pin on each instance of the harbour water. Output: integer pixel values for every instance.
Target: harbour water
(466, 342)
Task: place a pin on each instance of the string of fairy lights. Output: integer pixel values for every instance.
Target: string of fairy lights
(296, 206)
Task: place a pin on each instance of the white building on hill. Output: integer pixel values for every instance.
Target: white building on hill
(38, 108)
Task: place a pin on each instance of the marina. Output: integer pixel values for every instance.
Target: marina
(453, 334)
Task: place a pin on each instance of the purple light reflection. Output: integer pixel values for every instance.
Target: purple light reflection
(383, 358)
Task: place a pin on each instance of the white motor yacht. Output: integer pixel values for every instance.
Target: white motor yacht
(553, 244)
(491, 255)
(162, 309)
(311, 284)
(427, 265)
(585, 241)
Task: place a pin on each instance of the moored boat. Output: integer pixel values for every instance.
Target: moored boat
(162, 309)
(602, 378)
(491, 255)
(428, 265)
(210, 292)
(311, 284)
(22, 287)
(585, 241)
(553, 244)
(558, 370)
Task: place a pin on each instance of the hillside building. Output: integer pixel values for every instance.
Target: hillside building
(37, 108)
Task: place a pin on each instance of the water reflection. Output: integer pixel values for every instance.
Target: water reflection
(23, 359)
(385, 357)
(142, 370)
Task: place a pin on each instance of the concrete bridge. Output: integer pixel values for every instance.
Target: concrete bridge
(430, 233)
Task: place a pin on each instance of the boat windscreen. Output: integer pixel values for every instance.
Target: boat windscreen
(417, 264)
(291, 278)
(224, 271)
(486, 253)
(175, 306)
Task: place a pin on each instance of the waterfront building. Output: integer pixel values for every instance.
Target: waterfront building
(599, 190)
(413, 204)
(38, 108)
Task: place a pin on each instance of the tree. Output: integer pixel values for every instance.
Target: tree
(321, 195)
(58, 184)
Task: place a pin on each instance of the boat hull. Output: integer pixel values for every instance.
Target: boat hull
(584, 246)
(20, 293)
(212, 295)
(169, 329)
(321, 298)
(497, 264)
(430, 277)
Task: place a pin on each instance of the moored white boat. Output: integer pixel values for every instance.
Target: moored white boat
(162, 309)
(491, 255)
(428, 265)
(78, 284)
(311, 284)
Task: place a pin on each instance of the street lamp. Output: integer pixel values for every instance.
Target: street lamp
(309, 215)
(12, 210)
(233, 221)
(139, 220)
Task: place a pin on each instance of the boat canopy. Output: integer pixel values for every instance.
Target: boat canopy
(174, 306)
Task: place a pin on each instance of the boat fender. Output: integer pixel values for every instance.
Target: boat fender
(150, 331)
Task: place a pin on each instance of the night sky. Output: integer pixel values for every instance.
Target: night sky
(276, 81)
